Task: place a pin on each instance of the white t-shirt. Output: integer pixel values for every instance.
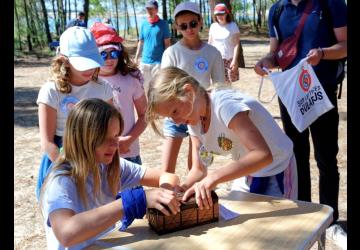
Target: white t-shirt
(61, 192)
(126, 89)
(62, 103)
(219, 139)
(203, 64)
(222, 38)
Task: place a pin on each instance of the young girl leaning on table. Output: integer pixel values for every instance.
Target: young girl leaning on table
(224, 121)
(78, 195)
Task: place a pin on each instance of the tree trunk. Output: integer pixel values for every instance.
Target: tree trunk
(76, 8)
(254, 18)
(56, 22)
(125, 21)
(117, 15)
(61, 18)
(69, 9)
(47, 29)
(259, 10)
(86, 11)
(27, 27)
(136, 25)
(65, 12)
(37, 24)
(18, 26)
(33, 16)
(128, 24)
(164, 9)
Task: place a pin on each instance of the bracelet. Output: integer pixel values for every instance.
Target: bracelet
(322, 53)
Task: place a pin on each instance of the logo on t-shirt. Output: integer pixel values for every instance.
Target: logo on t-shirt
(67, 103)
(201, 65)
(305, 80)
(224, 143)
(206, 157)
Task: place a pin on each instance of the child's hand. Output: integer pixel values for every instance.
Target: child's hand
(157, 198)
(124, 144)
(202, 192)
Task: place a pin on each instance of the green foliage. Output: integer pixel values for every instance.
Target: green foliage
(97, 8)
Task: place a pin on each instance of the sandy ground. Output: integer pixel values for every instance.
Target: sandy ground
(31, 72)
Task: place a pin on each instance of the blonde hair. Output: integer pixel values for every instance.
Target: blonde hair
(85, 130)
(60, 72)
(167, 85)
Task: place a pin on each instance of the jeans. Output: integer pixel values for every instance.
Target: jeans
(135, 159)
(324, 133)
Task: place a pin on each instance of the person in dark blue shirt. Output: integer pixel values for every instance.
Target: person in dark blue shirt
(79, 21)
(324, 41)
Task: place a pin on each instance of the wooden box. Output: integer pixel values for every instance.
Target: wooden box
(190, 216)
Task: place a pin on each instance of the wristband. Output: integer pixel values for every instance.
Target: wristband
(134, 205)
(322, 53)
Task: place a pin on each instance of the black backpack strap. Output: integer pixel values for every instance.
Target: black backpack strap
(276, 17)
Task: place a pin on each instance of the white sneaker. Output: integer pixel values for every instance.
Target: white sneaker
(336, 234)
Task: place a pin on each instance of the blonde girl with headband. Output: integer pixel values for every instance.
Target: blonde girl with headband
(126, 82)
(78, 196)
(75, 77)
(224, 121)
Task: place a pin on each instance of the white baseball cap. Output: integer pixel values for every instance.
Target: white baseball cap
(187, 6)
(79, 45)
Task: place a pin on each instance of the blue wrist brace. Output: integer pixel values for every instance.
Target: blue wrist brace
(134, 205)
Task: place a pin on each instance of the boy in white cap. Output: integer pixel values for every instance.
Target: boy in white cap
(200, 60)
(74, 71)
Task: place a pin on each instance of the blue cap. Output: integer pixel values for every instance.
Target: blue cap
(79, 45)
(151, 4)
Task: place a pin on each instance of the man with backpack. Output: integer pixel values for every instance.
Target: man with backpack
(317, 29)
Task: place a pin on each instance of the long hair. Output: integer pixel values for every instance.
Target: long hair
(85, 130)
(126, 65)
(60, 72)
(165, 86)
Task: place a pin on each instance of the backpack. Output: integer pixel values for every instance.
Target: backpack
(324, 6)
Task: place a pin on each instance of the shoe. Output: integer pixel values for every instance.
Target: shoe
(336, 234)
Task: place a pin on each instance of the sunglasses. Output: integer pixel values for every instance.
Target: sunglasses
(192, 25)
(114, 54)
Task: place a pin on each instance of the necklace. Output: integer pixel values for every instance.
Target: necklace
(205, 120)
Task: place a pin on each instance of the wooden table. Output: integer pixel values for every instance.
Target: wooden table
(265, 222)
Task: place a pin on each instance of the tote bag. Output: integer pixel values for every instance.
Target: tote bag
(301, 93)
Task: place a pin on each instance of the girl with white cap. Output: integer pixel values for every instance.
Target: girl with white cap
(224, 35)
(200, 60)
(75, 77)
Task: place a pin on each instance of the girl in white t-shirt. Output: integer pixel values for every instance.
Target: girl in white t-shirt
(126, 82)
(223, 121)
(224, 35)
(74, 70)
(78, 198)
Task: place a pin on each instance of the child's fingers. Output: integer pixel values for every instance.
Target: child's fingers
(161, 208)
(198, 198)
(204, 198)
(188, 193)
(208, 194)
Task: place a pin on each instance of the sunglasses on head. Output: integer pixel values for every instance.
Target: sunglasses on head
(192, 25)
(114, 54)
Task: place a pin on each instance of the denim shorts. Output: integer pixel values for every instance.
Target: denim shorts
(171, 129)
(135, 159)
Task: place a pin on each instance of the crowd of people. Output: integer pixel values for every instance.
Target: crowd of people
(91, 172)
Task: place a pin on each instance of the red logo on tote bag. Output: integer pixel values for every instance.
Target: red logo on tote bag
(305, 80)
